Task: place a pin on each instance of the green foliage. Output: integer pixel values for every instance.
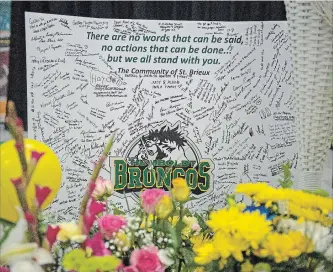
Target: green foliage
(286, 181)
(176, 240)
(201, 221)
(5, 229)
(318, 192)
(117, 211)
(188, 256)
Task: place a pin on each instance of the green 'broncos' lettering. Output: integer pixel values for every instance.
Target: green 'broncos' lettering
(132, 177)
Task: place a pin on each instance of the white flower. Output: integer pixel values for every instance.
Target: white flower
(165, 258)
(103, 189)
(329, 253)
(20, 256)
(26, 266)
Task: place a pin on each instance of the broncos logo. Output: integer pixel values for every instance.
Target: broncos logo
(166, 143)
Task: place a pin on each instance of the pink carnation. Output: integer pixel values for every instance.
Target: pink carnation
(146, 260)
(4, 269)
(110, 224)
(150, 198)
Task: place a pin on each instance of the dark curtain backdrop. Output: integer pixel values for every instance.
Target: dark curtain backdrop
(156, 10)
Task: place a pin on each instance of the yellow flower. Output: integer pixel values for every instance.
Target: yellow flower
(263, 193)
(174, 220)
(205, 253)
(74, 260)
(164, 207)
(284, 246)
(309, 214)
(70, 231)
(190, 220)
(246, 266)
(149, 222)
(180, 190)
(222, 263)
(235, 233)
(230, 245)
(77, 260)
(199, 240)
(123, 241)
(298, 203)
(251, 227)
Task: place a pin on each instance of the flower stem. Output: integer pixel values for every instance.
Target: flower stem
(180, 265)
(93, 178)
(16, 131)
(146, 219)
(154, 229)
(17, 134)
(181, 212)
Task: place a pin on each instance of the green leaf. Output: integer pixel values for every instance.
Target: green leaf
(213, 266)
(6, 223)
(201, 221)
(174, 237)
(286, 182)
(188, 255)
(187, 212)
(180, 226)
(319, 192)
(117, 211)
(6, 230)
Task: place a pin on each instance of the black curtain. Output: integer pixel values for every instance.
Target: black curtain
(156, 10)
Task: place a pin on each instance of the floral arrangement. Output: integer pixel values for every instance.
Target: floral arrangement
(282, 230)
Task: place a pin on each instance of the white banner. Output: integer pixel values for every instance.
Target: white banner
(208, 101)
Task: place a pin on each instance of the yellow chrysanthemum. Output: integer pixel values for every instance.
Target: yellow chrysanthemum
(235, 233)
(284, 246)
(252, 227)
(74, 260)
(104, 263)
(229, 245)
(262, 193)
(309, 214)
(77, 260)
(199, 240)
(205, 253)
(298, 203)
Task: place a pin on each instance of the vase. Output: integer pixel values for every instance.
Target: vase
(311, 36)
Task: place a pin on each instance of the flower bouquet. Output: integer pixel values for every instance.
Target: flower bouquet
(282, 230)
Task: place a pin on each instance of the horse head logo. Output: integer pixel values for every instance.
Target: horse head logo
(165, 143)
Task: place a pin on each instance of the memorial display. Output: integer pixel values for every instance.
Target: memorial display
(211, 102)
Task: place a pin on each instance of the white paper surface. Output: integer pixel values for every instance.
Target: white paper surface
(229, 111)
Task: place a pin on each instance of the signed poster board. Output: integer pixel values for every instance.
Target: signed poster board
(209, 101)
